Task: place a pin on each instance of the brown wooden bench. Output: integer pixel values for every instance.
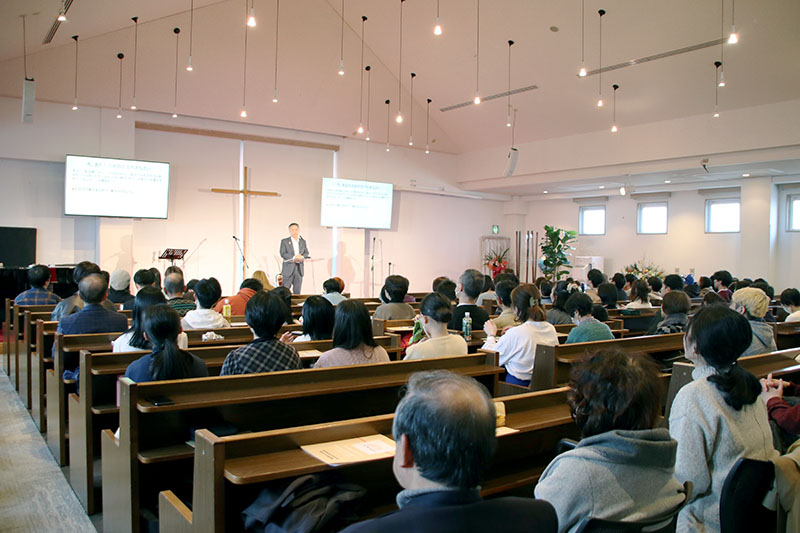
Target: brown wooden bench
(229, 471)
(151, 453)
(552, 364)
(637, 324)
(40, 363)
(787, 334)
(28, 352)
(17, 326)
(781, 364)
(7, 332)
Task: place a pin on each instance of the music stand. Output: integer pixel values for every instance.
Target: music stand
(173, 254)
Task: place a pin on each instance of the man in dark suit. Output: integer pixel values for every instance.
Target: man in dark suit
(444, 429)
(293, 251)
(93, 317)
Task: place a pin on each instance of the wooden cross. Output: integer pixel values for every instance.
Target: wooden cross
(245, 192)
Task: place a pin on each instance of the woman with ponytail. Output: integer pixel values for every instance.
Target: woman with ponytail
(435, 312)
(718, 418)
(162, 325)
(518, 345)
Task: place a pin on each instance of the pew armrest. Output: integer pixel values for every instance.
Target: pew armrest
(173, 514)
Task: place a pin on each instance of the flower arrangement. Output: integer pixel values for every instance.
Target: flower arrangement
(496, 261)
(642, 269)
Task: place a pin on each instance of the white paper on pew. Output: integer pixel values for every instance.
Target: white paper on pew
(309, 353)
(357, 450)
(505, 430)
(500, 411)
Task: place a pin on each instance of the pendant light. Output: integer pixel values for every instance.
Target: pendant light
(369, 96)
(717, 65)
(243, 113)
(361, 86)
(411, 114)
(251, 19)
(733, 38)
(399, 117)
(341, 47)
(135, 55)
(120, 56)
(75, 94)
(614, 128)
(177, 32)
(388, 121)
(189, 67)
(508, 97)
(275, 73)
(428, 129)
(437, 29)
(477, 99)
(600, 56)
(721, 81)
(582, 66)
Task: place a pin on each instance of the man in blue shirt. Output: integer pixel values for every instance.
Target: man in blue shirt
(93, 317)
(38, 294)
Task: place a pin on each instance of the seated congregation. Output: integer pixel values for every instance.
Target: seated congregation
(637, 460)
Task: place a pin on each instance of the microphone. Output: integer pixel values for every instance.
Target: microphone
(234, 238)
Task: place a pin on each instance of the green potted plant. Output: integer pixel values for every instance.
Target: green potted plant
(556, 249)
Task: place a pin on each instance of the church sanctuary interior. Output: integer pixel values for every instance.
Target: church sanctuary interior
(413, 138)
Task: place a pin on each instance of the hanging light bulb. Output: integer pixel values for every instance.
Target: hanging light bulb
(135, 56)
(341, 67)
(582, 71)
(477, 99)
(191, 34)
(614, 119)
(75, 94)
(582, 66)
(717, 65)
(177, 32)
(369, 96)
(508, 97)
(275, 75)
(600, 102)
(251, 19)
(399, 117)
(360, 129)
(614, 129)
(120, 56)
(437, 29)
(243, 114)
(411, 114)
(62, 13)
(622, 191)
(275, 96)
(721, 78)
(388, 113)
(733, 38)
(428, 128)
(341, 48)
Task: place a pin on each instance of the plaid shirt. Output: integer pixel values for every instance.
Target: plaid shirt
(36, 297)
(261, 355)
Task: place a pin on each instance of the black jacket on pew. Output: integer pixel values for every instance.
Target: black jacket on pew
(463, 511)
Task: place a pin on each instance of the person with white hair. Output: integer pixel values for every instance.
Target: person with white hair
(753, 304)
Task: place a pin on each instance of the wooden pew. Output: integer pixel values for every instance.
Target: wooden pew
(17, 317)
(40, 363)
(787, 335)
(151, 453)
(552, 364)
(95, 409)
(8, 331)
(781, 364)
(636, 324)
(28, 352)
(229, 471)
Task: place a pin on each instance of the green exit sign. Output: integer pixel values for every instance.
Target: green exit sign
(495, 229)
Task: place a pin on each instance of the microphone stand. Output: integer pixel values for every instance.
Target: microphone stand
(372, 266)
(241, 252)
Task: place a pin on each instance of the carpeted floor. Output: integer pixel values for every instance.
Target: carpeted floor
(34, 495)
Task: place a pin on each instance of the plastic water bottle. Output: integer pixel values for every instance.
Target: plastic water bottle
(226, 308)
(466, 327)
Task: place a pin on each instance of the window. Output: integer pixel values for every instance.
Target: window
(794, 212)
(652, 218)
(593, 220)
(723, 216)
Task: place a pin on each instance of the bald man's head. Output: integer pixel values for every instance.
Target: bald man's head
(93, 288)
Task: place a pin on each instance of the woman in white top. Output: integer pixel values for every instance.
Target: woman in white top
(518, 345)
(436, 312)
(640, 295)
(790, 301)
(134, 339)
(719, 417)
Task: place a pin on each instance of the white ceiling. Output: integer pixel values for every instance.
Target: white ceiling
(762, 68)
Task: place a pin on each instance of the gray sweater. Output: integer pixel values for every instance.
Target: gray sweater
(763, 338)
(617, 475)
(711, 437)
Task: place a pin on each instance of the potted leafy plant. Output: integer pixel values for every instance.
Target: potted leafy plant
(556, 249)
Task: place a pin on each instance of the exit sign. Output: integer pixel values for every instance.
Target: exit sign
(495, 229)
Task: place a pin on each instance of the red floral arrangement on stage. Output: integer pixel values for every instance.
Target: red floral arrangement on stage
(496, 261)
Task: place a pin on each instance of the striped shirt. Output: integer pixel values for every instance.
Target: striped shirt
(181, 305)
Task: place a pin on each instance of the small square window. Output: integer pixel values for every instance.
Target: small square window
(652, 218)
(593, 220)
(723, 216)
(794, 212)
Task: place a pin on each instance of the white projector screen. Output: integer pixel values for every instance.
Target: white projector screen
(356, 204)
(102, 187)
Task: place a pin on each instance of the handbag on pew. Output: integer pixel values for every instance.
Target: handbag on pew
(309, 503)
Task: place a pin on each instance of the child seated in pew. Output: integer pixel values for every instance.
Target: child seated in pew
(134, 339)
(162, 326)
(506, 318)
(587, 328)
(469, 288)
(318, 316)
(206, 293)
(622, 469)
(353, 343)
(395, 308)
(517, 346)
(435, 313)
(265, 313)
(718, 418)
